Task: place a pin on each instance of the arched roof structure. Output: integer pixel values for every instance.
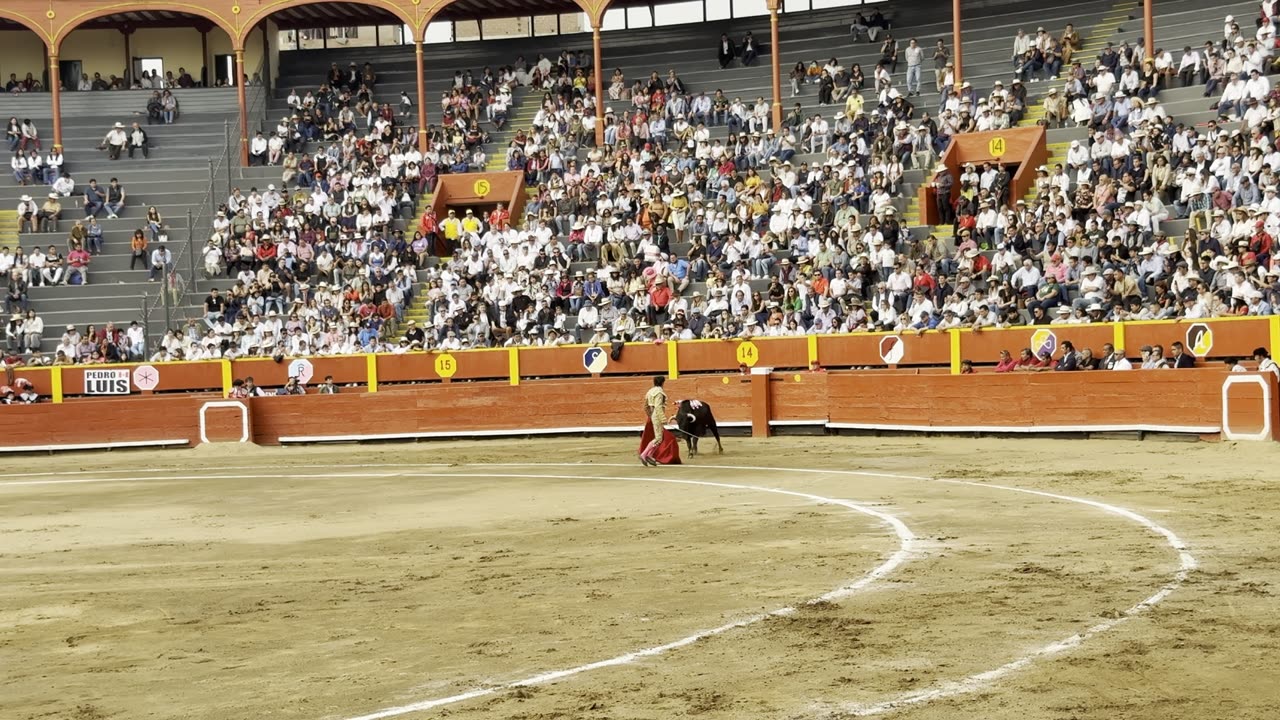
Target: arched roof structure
(54, 21)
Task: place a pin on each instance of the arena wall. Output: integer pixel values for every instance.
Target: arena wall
(862, 382)
(1189, 402)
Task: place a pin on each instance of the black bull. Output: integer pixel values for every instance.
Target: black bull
(694, 419)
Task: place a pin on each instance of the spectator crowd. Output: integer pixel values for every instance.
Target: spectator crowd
(698, 217)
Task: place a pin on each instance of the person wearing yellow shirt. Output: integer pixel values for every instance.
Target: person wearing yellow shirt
(679, 213)
(471, 223)
(451, 227)
(853, 105)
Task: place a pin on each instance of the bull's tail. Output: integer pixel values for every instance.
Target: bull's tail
(715, 429)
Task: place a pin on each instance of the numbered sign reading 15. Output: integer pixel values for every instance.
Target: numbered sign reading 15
(446, 365)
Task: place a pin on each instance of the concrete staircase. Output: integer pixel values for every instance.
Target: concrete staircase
(1120, 18)
(525, 106)
(8, 228)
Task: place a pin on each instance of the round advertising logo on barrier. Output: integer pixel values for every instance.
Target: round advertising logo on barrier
(892, 349)
(446, 365)
(1044, 340)
(302, 369)
(595, 360)
(146, 377)
(1199, 339)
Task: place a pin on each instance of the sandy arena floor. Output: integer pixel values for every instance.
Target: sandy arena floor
(340, 582)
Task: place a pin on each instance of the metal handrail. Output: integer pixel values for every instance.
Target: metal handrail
(258, 102)
(255, 113)
(199, 225)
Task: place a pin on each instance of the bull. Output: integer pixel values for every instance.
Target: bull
(694, 419)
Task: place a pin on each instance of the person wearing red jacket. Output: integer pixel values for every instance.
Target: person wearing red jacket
(1007, 363)
(499, 216)
(1260, 245)
(266, 251)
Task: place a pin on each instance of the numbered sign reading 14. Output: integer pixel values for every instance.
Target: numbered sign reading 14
(446, 365)
(748, 354)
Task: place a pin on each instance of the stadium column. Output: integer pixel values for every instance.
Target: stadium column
(775, 61)
(244, 108)
(956, 49)
(127, 32)
(55, 96)
(422, 96)
(1149, 28)
(598, 73)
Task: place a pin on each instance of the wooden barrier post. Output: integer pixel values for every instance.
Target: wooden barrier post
(955, 351)
(673, 361)
(513, 366)
(1273, 408)
(55, 384)
(227, 379)
(812, 348)
(371, 372)
(760, 405)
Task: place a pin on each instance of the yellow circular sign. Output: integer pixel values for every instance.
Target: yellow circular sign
(748, 354)
(446, 365)
(996, 147)
(482, 188)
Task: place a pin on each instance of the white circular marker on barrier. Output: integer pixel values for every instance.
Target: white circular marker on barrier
(146, 377)
(302, 369)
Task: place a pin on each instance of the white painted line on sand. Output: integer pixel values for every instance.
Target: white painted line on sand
(906, 542)
(1186, 563)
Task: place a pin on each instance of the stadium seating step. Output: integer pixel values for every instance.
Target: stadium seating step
(1105, 30)
(521, 117)
(8, 227)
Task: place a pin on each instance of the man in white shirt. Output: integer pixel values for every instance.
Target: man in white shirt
(820, 133)
(1189, 67)
(1258, 86)
(1027, 278)
(1104, 81)
(258, 149)
(64, 185)
(1265, 363)
(1021, 44)
(915, 59)
(115, 141)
